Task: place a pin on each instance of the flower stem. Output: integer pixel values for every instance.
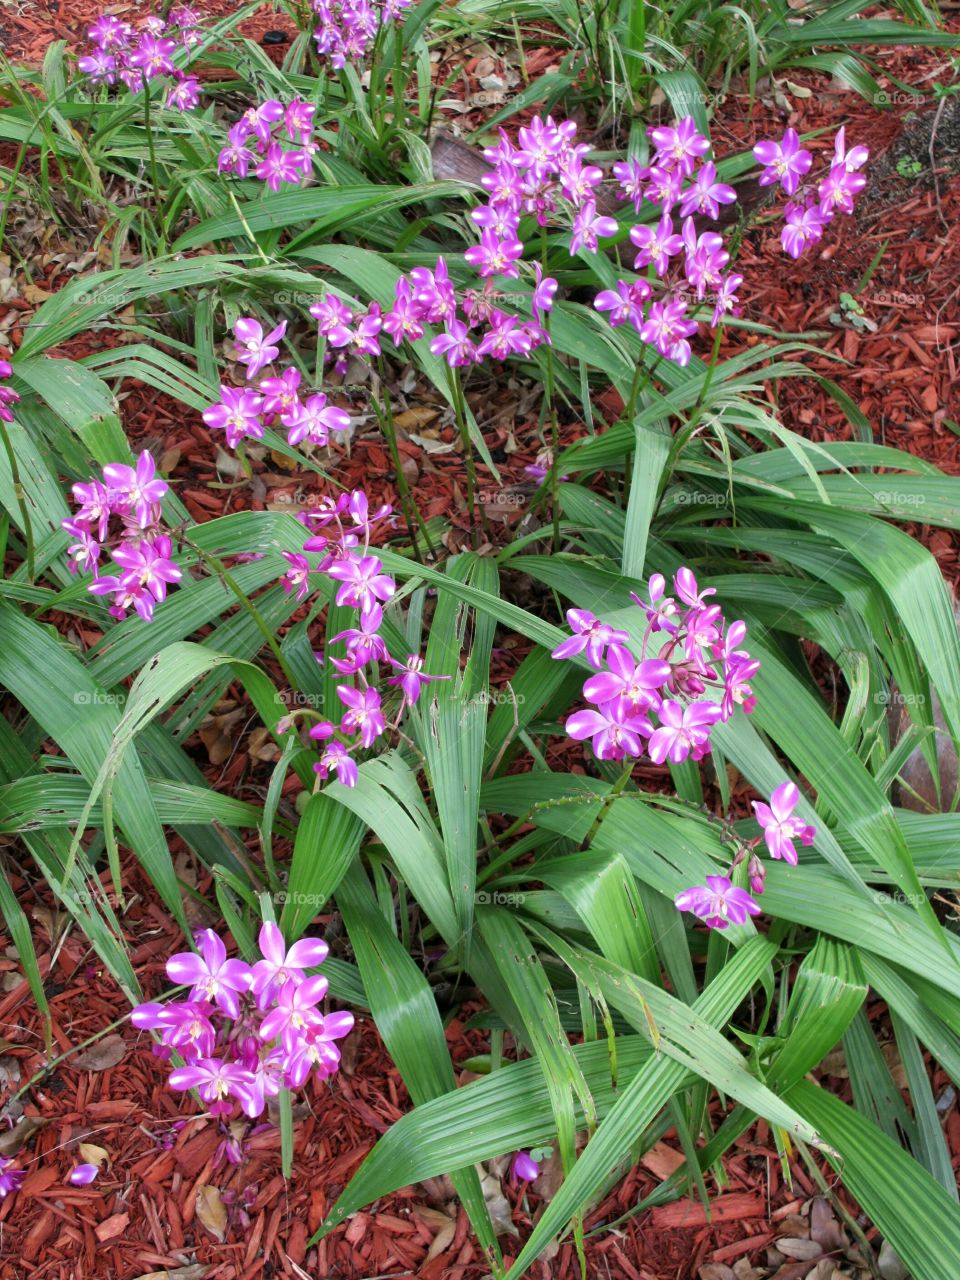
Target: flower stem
(218, 567)
(154, 175)
(460, 408)
(21, 497)
(411, 511)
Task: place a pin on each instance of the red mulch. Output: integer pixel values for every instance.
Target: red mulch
(140, 1217)
(141, 1214)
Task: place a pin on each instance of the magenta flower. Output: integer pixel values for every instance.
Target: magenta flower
(279, 166)
(719, 903)
(281, 396)
(544, 293)
(657, 245)
(235, 158)
(434, 292)
(523, 1168)
(780, 827)
(281, 964)
(10, 1178)
(100, 66)
(84, 554)
(148, 565)
(237, 413)
(625, 303)
(215, 1080)
(705, 194)
(184, 1026)
(631, 175)
(804, 226)
(455, 344)
(615, 730)
(364, 715)
(683, 730)
(135, 489)
(254, 349)
(667, 329)
(591, 636)
(493, 256)
(185, 95)
(315, 419)
(853, 159)
(588, 226)
(152, 56)
(363, 582)
(634, 684)
(335, 758)
(297, 576)
(838, 189)
(83, 1174)
(260, 120)
(679, 148)
(295, 1010)
(211, 974)
(784, 162)
(402, 322)
(412, 677)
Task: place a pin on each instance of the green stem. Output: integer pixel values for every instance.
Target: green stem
(154, 174)
(411, 512)
(21, 497)
(460, 408)
(552, 410)
(223, 573)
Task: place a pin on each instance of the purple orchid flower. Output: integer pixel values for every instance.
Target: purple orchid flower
(211, 974)
(683, 730)
(281, 964)
(719, 903)
(784, 161)
(780, 827)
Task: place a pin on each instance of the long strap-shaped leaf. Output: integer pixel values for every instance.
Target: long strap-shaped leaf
(511, 1108)
(904, 1202)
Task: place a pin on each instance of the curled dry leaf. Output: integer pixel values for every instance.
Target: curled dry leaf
(92, 1154)
(212, 1212)
(22, 1131)
(102, 1055)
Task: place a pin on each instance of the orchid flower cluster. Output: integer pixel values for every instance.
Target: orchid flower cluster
(243, 412)
(135, 56)
(547, 175)
(8, 396)
(281, 137)
(130, 496)
(428, 296)
(701, 650)
(720, 902)
(244, 1031)
(348, 28)
(361, 585)
(786, 163)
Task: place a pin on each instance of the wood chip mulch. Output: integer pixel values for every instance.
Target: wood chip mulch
(141, 1217)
